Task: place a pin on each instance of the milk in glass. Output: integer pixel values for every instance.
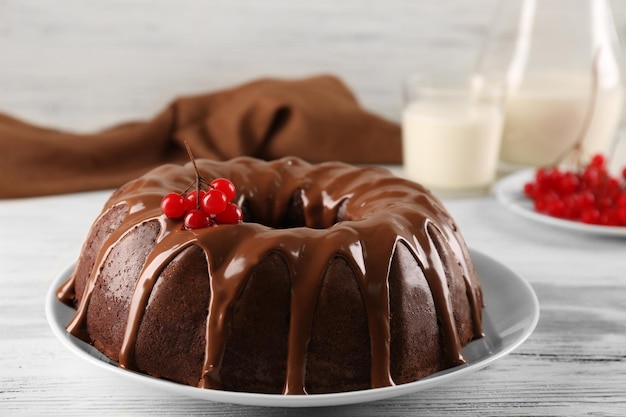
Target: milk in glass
(452, 144)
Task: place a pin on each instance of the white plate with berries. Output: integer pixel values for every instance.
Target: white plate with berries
(588, 200)
(510, 316)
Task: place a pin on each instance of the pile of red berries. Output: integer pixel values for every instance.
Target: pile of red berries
(200, 208)
(590, 195)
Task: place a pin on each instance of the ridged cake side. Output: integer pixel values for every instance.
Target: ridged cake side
(340, 278)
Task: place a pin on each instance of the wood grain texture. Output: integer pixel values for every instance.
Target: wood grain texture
(573, 364)
(84, 65)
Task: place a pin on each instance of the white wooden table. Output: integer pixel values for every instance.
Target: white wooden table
(84, 65)
(573, 364)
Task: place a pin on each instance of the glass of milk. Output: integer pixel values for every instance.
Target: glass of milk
(451, 132)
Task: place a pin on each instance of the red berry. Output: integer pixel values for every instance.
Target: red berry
(592, 177)
(542, 175)
(214, 201)
(621, 216)
(544, 178)
(568, 183)
(624, 172)
(173, 205)
(598, 161)
(196, 219)
(612, 188)
(587, 199)
(590, 216)
(556, 208)
(225, 186)
(530, 190)
(571, 210)
(609, 217)
(232, 214)
(602, 201)
(192, 201)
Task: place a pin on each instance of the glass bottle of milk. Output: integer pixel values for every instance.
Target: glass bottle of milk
(564, 69)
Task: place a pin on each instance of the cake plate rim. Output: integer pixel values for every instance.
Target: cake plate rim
(510, 316)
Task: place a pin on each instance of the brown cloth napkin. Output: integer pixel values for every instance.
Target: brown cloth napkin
(316, 118)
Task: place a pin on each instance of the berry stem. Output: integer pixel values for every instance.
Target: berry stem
(199, 179)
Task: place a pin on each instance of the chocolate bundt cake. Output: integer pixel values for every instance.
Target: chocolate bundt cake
(339, 278)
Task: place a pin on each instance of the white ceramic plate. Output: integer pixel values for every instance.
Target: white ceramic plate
(510, 193)
(510, 316)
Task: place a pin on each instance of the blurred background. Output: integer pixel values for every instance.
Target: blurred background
(83, 65)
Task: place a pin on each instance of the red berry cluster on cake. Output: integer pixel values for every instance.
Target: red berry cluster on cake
(200, 208)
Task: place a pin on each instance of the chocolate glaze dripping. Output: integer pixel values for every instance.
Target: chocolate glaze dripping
(165, 250)
(379, 212)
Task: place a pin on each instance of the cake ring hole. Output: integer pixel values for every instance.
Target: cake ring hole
(297, 212)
